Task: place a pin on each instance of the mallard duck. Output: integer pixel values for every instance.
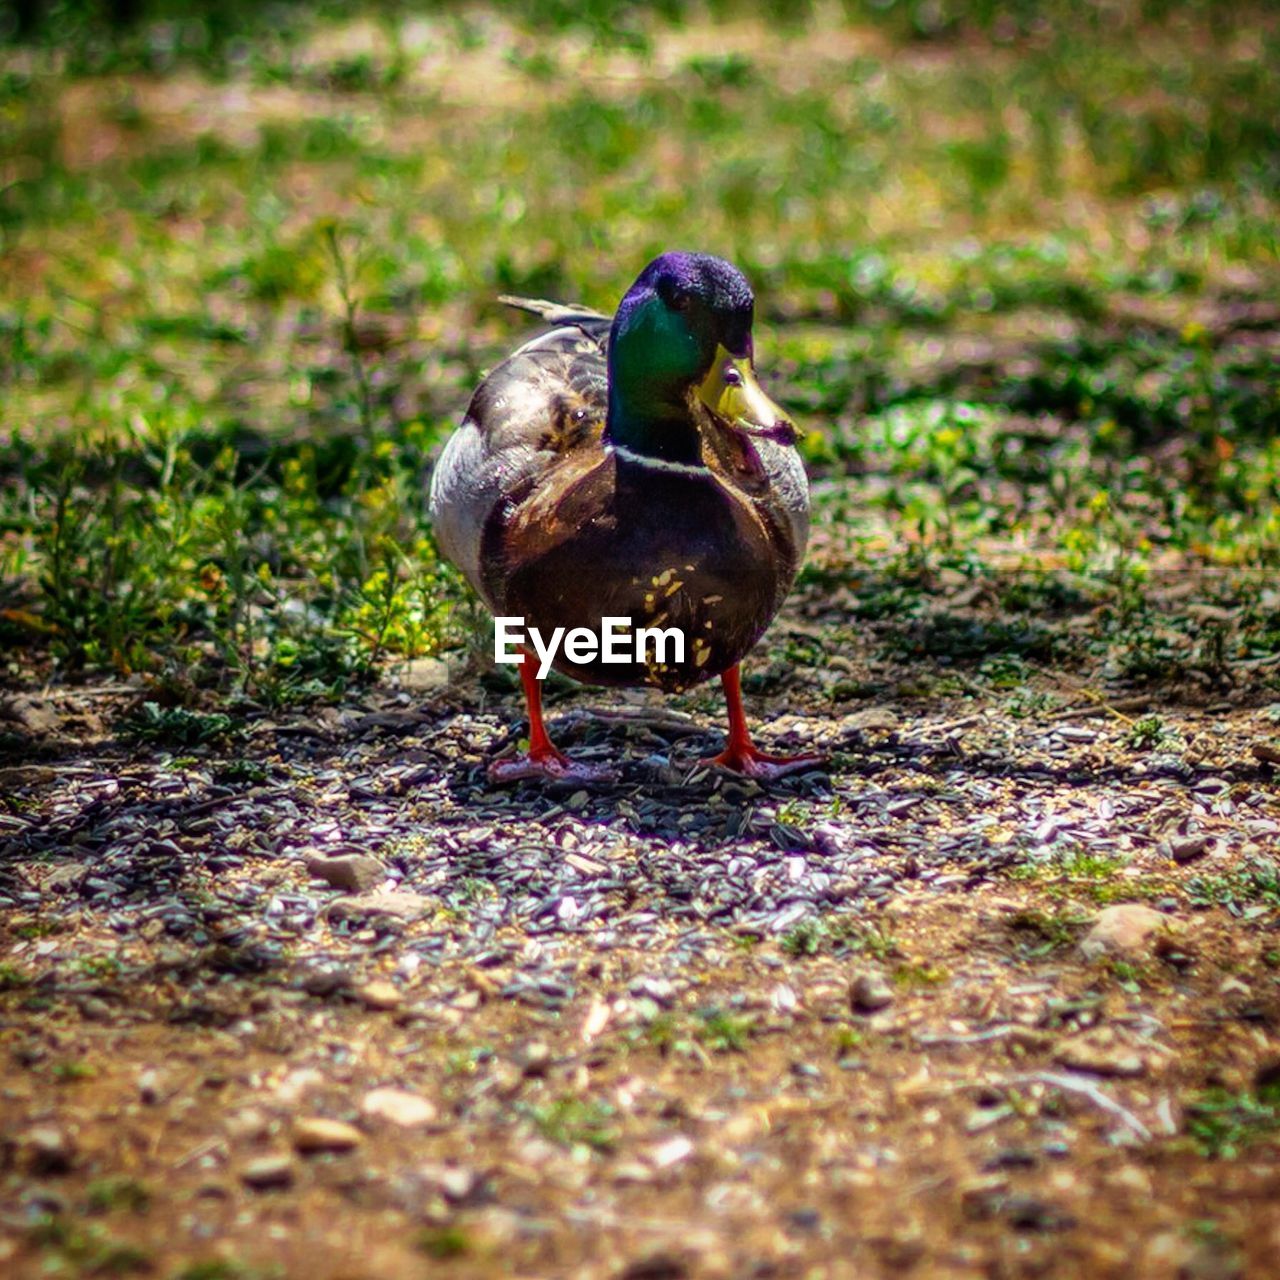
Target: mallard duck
(632, 468)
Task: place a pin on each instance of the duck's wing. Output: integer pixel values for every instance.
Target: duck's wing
(542, 408)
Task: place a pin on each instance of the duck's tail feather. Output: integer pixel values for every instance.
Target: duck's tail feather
(556, 312)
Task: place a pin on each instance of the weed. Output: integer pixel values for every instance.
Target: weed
(111, 1195)
(87, 1250)
(571, 1121)
(13, 977)
(73, 1072)
(32, 929)
(227, 1269)
(1222, 1123)
(1256, 881)
(1147, 734)
(442, 1243)
(913, 973)
(876, 940)
(804, 940)
(847, 1039)
(1053, 929)
(176, 726)
(240, 771)
(723, 1032)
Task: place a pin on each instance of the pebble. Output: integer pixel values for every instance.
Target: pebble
(315, 1133)
(456, 1184)
(1184, 849)
(248, 1125)
(397, 904)
(64, 879)
(324, 978)
(150, 1086)
(47, 1150)
(868, 992)
(873, 719)
(1125, 929)
(351, 872)
(267, 1172)
(380, 994)
(399, 1106)
(423, 675)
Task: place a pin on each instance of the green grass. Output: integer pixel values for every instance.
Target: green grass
(1047, 931)
(68, 1248)
(574, 1122)
(1222, 1123)
(117, 1194)
(1255, 883)
(1013, 269)
(1072, 871)
(442, 1243)
(13, 977)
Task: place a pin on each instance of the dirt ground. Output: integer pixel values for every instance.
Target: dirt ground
(990, 996)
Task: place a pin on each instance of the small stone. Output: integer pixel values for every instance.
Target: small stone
(1267, 752)
(1184, 849)
(38, 718)
(408, 1110)
(315, 1133)
(268, 1171)
(323, 978)
(397, 904)
(1076, 733)
(64, 879)
(533, 1059)
(457, 1185)
(351, 872)
(879, 719)
(868, 992)
(671, 1152)
(48, 1151)
(248, 1125)
(424, 675)
(380, 994)
(150, 1086)
(1124, 929)
(1101, 1053)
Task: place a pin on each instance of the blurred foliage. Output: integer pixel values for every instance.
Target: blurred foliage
(1016, 265)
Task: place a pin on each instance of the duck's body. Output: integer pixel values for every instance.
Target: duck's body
(583, 486)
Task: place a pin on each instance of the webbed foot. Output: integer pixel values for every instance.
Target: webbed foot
(750, 761)
(548, 766)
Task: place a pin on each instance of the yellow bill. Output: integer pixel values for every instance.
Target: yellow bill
(731, 392)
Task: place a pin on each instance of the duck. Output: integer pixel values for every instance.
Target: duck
(631, 468)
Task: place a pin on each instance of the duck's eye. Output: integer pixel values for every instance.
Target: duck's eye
(678, 301)
(732, 376)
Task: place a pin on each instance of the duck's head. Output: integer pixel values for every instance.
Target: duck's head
(683, 331)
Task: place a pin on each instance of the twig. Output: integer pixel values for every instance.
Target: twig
(1100, 707)
(949, 726)
(201, 1149)
(1057, 1080)
(1086, 1089)
(974, 1037)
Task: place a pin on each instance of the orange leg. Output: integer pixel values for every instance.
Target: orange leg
(740, 753)
(543, 759)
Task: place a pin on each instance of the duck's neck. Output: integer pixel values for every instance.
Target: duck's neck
(665, 437)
